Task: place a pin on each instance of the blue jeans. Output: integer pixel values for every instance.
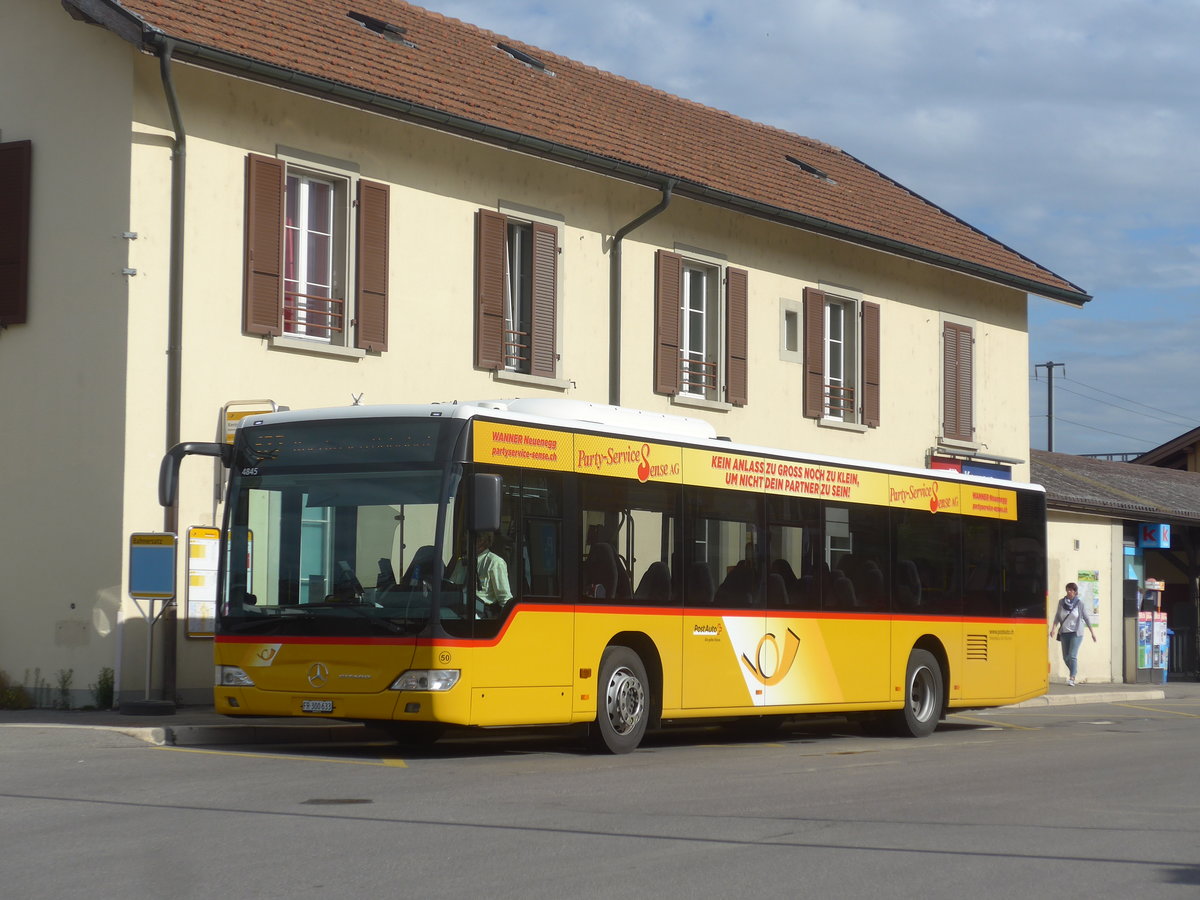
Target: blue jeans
(1070, 641)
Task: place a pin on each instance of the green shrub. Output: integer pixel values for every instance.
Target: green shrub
(12, 696)
(102, 690)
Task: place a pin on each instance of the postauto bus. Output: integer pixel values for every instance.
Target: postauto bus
(537, 562)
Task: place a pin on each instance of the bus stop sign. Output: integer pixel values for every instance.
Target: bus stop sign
(152, 566)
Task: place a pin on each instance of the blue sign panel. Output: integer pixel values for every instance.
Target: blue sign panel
(1154, 536)
(152, 566)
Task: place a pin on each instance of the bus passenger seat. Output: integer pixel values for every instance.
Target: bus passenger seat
(421, 569)
(737, 589)
(870, 586)
(843, 591)
(655, 586)
(778, 596)
(908, 585)
(600, 572)
(784, 570)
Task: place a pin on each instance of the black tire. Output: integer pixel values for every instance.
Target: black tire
(923, 696)
(622, 701)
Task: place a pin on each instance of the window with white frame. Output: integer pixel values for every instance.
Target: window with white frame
(699, 350)
(516, 294)
(316, 252)
(840, 355)
(700, 329)
(314, 258)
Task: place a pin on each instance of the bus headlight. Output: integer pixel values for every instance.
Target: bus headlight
(427, 680)
(233, 676)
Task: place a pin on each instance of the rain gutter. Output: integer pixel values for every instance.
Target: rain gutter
(614, 292)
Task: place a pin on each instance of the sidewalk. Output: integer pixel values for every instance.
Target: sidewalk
(201, 726)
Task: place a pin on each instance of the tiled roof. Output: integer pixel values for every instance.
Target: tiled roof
(449, 68)
(1117, 488)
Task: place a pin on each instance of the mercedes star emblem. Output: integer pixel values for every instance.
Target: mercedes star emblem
(318, 674)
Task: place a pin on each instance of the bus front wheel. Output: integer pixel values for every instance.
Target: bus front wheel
(923, 696)
(622, 701)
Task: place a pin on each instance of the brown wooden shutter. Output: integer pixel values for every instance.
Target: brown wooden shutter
(491, 237)
(16, 168)
(263, 301)
(736, 342)
(957, 389)
(668, 296)
(870, 368)
(814, 353)
(371, 283)
(543, 352)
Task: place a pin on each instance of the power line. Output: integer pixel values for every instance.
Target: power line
(1129, 400)
(1105, 431)
(1178, 419)
(1126, 408)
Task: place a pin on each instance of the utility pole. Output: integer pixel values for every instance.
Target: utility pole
(1049, 367)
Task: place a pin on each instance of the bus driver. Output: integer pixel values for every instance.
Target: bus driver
(492, 590)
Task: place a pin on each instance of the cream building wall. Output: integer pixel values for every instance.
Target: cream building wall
(62, 530)
(103, 162)
(1080, 543)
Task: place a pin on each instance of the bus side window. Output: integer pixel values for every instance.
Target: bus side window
(794, 574)
(857, 553)
(933, 544)
(1024, 560)
(629, 537)
(723, 535)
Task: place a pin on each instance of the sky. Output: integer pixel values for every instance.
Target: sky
(1067, 129)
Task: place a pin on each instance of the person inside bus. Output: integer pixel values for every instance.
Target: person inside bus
(492, 589)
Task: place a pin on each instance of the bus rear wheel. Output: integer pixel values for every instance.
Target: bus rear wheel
(622, 701)
(923, 696)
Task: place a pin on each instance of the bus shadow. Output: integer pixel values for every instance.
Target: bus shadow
(573, 740)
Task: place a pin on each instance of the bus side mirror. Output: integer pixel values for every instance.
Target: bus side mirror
(486, 491)
(168, 472)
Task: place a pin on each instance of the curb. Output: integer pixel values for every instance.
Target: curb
(1081, 699)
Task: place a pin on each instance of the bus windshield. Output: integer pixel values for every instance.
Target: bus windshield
(343, 550)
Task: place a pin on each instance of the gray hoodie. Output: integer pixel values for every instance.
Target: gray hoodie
(1069, 613)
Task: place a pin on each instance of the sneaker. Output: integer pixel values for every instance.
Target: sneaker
(1071, 682)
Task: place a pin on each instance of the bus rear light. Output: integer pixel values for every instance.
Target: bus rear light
(427, 680)
(233, 676)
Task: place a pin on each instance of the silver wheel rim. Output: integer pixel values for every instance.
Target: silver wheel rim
(921, 700)
(624, 700)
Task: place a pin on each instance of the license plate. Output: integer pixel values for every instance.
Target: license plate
(317, 706)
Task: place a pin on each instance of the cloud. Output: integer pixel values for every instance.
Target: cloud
(1067, 130)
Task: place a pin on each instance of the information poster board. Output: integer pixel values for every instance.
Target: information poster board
(1089, 593)
(201, 599)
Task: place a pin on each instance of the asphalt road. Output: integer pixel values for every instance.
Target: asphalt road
(1084, 801)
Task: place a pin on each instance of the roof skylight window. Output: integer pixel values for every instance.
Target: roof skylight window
(521, 56)
(393, 33)
(810, 169)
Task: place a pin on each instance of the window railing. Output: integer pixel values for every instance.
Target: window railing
(697, 375)
(516, 350)
(839, 401)
(312, 315)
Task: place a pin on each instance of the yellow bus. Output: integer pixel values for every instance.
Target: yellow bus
(537, 562)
